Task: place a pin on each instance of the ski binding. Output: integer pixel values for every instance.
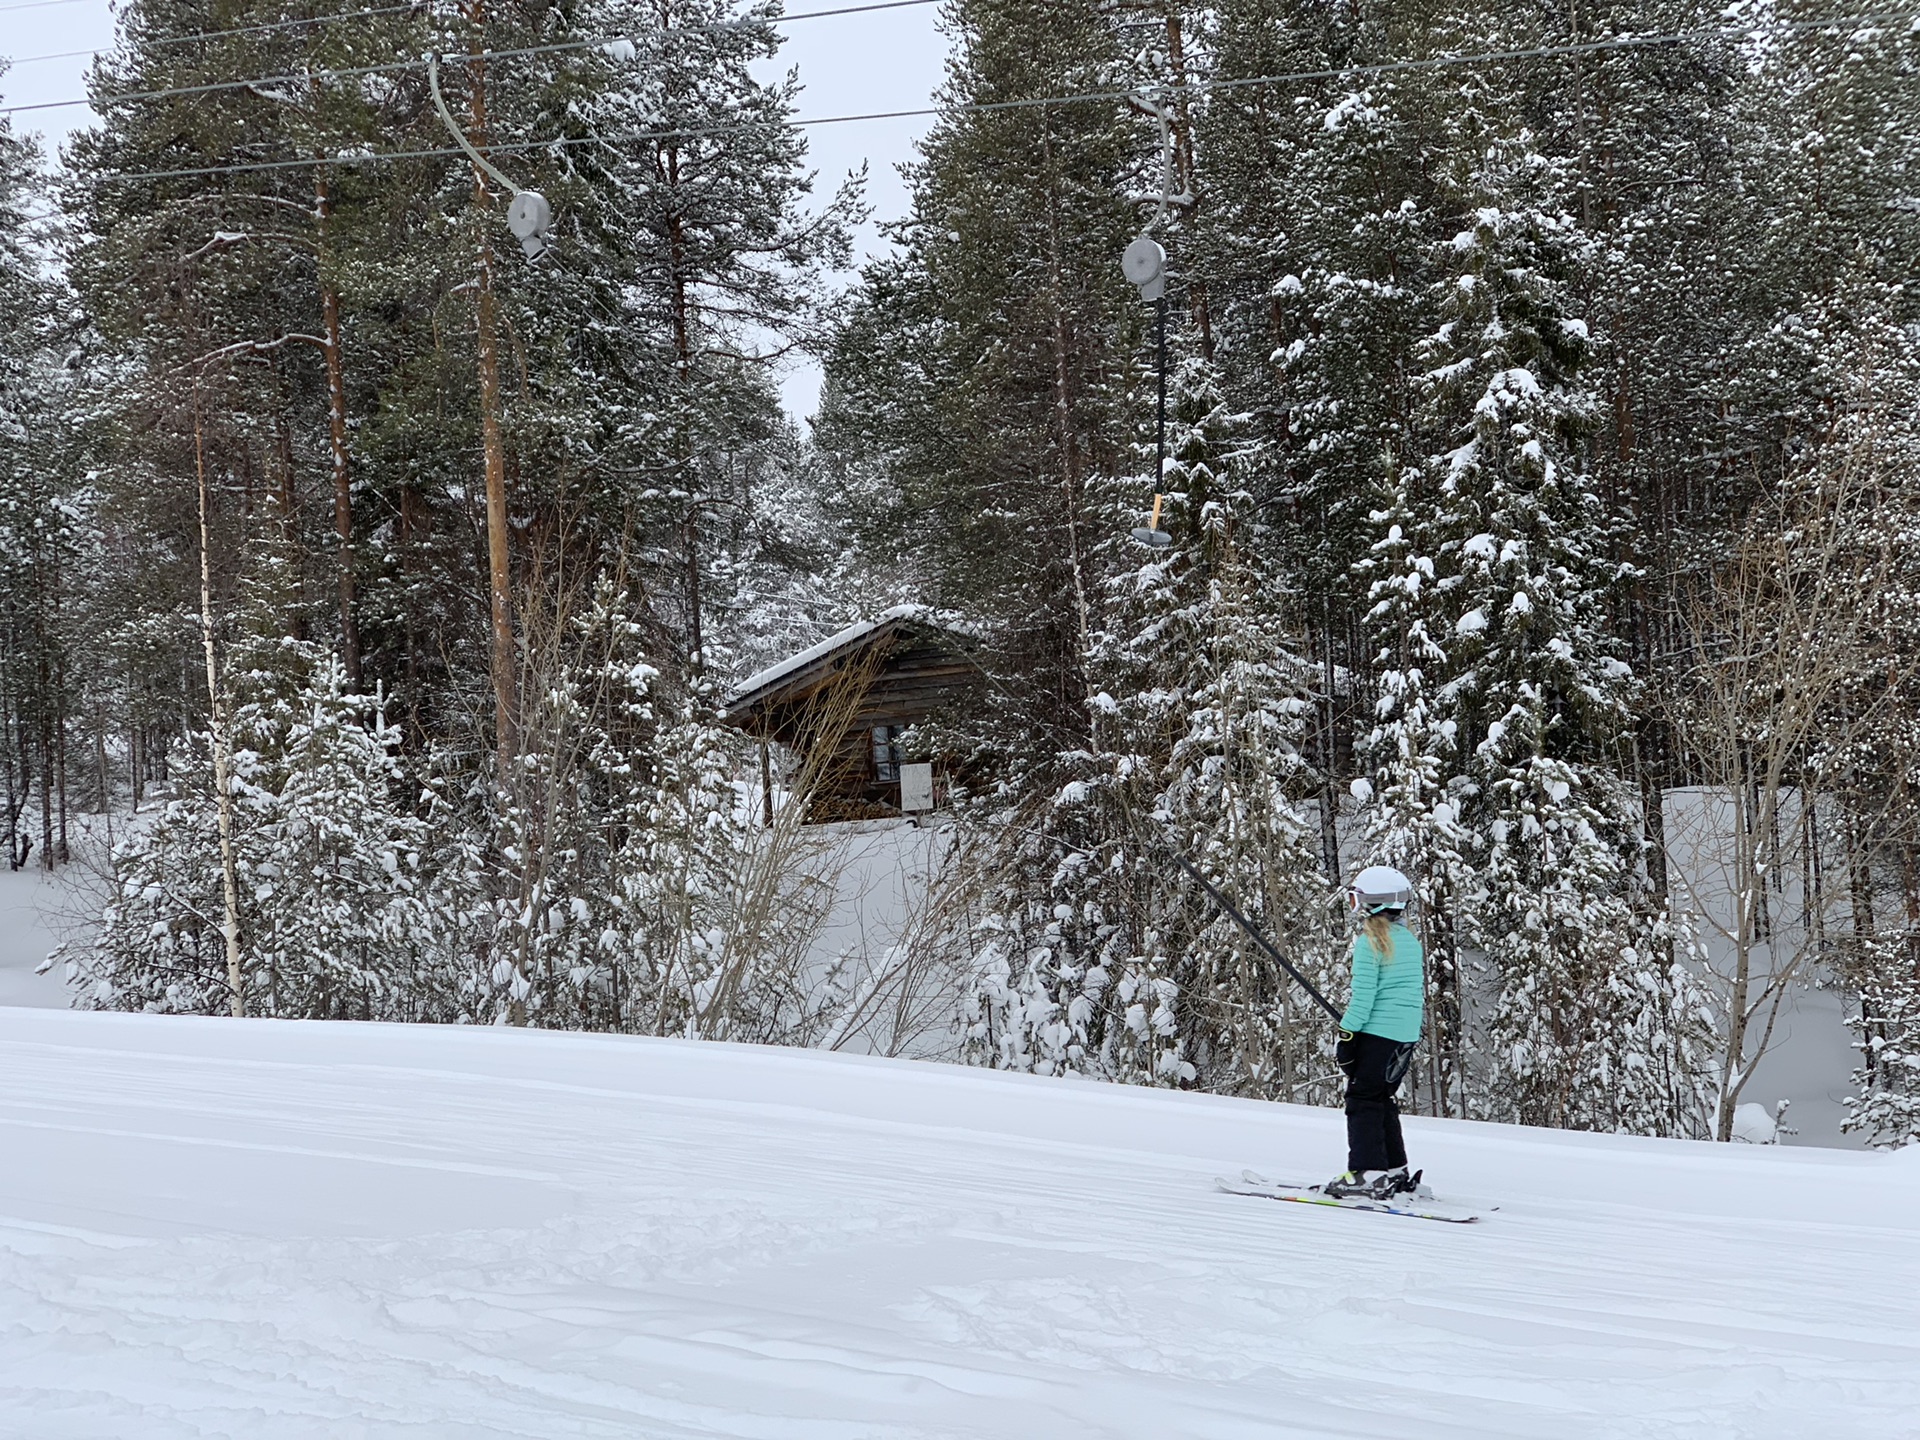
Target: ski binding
(1419, 1206)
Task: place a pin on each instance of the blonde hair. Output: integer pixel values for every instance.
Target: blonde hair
(1379, 929)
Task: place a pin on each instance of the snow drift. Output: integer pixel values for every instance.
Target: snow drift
(273, 1230)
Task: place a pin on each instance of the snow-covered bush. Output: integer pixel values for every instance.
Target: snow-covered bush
(635, 885)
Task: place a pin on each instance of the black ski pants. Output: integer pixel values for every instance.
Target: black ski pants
(1374, 1067)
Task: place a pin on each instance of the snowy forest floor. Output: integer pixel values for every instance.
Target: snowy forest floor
(273, 1229)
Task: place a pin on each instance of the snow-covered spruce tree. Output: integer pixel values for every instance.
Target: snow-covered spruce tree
(1082, 966)
(1215, 705)
(1343, 316)
(1081, 940)
(1532, 687)
(1885, 1105)
(360, 912)
(1314, 238)
(1042, 991)
(1410, 816)
(345, 913)
(1828, 143)
(1045, 914)
(1124, 969)
(1628, 122)
(622, 858)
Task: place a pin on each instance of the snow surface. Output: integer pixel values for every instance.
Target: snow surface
(272, 1229)
(33, 912)
(1811, 1057)
(884, 875)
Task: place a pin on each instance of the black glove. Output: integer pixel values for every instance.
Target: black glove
(1346, 1053)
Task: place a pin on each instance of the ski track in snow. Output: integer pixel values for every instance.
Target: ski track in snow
(269, 1229)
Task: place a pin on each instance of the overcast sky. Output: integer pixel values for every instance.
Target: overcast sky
(850, 64)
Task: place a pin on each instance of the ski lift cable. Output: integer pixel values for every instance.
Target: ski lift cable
(394, 67)
(1190, 89)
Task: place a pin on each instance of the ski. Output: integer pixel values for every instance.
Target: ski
(1414, 1208)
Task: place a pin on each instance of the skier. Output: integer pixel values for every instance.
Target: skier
(1378, 1033)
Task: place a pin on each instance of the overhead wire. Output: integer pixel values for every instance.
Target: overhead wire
(266, 27)
(336, 16)
(1037, 102)
(353, 72)
(565, 46)
(394, 67)
(58, 55)
(1189, 89)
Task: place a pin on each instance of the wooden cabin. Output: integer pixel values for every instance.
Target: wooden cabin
(841, 711)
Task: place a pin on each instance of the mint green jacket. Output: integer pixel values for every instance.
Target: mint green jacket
(1389, 995)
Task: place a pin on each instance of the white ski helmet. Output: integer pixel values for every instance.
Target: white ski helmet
(1379, 888)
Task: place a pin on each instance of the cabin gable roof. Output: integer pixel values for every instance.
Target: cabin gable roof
(795, 679)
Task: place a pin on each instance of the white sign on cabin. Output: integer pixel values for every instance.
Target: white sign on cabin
(916, 788)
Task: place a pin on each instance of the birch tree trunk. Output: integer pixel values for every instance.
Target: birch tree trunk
(217, 735)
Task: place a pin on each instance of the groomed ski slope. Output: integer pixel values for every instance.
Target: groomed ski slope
(264, 1230)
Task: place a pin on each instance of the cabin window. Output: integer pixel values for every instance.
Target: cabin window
(886, 753)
